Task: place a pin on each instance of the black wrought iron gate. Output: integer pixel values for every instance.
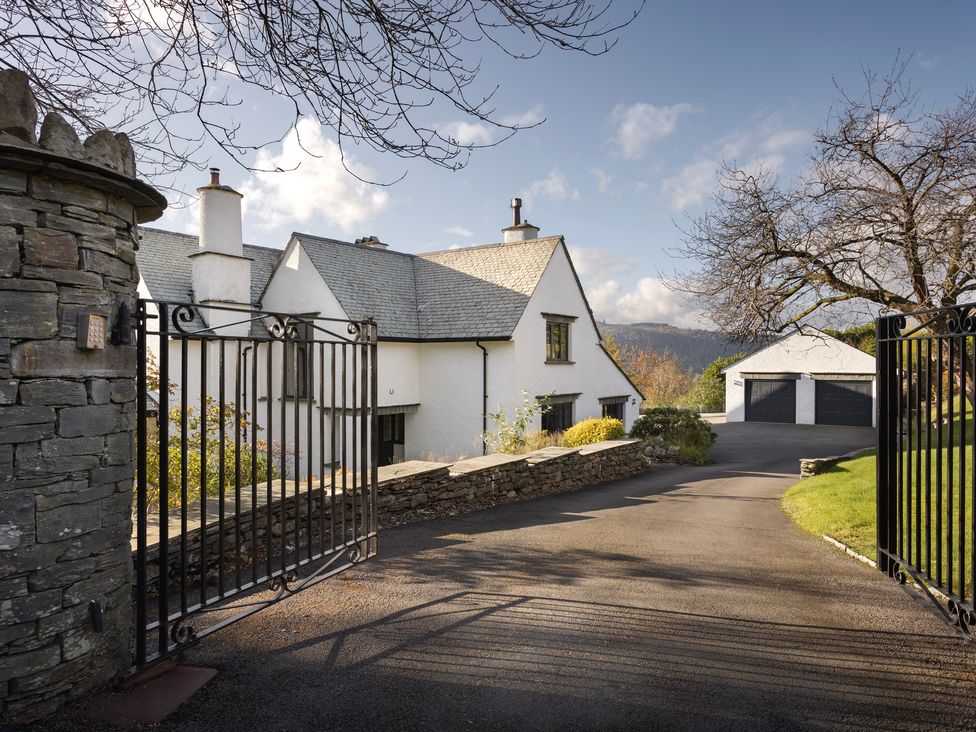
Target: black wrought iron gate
(927, 454)
(256, 465)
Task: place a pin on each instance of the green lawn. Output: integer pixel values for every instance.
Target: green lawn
(841, 501)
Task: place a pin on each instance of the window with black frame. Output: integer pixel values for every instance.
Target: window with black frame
(558, 338)
(613, 406)
(558, 414)
(296, 364)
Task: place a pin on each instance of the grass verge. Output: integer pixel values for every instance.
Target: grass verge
(839, 503)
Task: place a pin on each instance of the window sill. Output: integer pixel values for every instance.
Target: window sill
(557, 362)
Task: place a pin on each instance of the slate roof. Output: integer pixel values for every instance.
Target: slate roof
(164, 263)
(368, 282)
(479, 291)
(468, 293)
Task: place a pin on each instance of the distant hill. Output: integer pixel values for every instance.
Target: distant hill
(696, 348)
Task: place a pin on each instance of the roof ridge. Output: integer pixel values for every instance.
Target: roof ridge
(330, 240)
(489, 246)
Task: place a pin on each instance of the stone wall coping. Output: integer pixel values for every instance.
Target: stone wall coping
(147, 201)
(549, 453)
(194, 514)
(484, 462)
(605, 445)
(408, 469)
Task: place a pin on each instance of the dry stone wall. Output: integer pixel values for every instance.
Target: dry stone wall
(420, 491)
(68, 217)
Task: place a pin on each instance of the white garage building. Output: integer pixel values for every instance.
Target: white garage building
(807, 377)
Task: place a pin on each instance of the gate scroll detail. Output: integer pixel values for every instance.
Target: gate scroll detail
(257, 455)
(926, 482)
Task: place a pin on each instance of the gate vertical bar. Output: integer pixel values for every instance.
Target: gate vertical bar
(963, 351)
(221, 463)
(332, 445)
(237, 466)
(253, 419)
(269, 493)
(939, 548)
(204, 349)
(141, 444)
(374, 434)
(309, 400)
(364, 417)
(184, 450)
(163, 576)
(284, 456)
(887, 386)
(928, 458)
(909, 475)
(950, 514)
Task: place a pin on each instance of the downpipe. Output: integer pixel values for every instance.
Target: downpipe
(484, 397)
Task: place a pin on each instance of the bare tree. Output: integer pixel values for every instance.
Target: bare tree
(171, 72)
(884, 218)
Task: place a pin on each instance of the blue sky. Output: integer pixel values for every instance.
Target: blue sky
(631, 140)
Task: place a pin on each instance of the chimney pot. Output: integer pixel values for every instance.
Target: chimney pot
(516, 211)
(215, 177)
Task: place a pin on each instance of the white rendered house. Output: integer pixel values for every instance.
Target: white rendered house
(461, 332)
(807, 377)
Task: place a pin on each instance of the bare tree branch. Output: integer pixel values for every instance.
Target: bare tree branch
(173, 73)
(884, 217)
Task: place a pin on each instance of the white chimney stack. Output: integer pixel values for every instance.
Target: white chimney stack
(221, 272)
(519, 230)
(220, 218)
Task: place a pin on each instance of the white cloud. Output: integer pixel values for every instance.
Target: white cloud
(467, 133)
(603, 180)
(554, 187)
(312, 183)
(927, 62)
(599, 263)
(651, 301)
(640, 124)
(529, 117)
(464, 132)
(780, 140)
(764, 145)
(691, 185)
(459, 231)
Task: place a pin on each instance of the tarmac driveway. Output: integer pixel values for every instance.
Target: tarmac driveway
(681, 599)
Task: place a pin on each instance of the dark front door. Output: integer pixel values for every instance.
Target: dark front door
(391, 438)
(771, 400)
(844, 402)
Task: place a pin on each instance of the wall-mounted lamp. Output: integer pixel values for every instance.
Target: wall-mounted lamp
(122, 332)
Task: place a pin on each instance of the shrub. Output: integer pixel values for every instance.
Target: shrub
(509, 436)
(692, 435)
(543, 438)
(593, 430)
(194, 444)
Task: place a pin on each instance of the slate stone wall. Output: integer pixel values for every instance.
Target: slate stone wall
(68, 216)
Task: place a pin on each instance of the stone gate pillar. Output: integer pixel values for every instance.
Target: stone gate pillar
(68, 215)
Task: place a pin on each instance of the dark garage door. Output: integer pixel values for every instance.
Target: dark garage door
(844, 402)
(770, 400)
